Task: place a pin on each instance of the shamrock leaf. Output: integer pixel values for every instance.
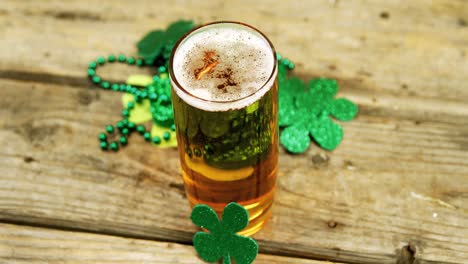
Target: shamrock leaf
(326, 88)
(177, 29)
(342, 109)
(234, 218)
(288, 89)
(247, 249)
(207, 246)
(294, 86)
(150, 46)
(304, 112)
(296, 138)
(204, 217)
(159, 43)
(326, 133)
(222, 241)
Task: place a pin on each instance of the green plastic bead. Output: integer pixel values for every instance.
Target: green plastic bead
(111, 58)
(91, 72)
(104, 145)
(166, 136)
(122, 87)
(141, 129)
(162, 69)
(138, 98)
(105, 85)
(96, 79)
(125, 131)
(278, 56)
(164, 99)
(132, 90)
(120, 125)
(151, 89)
(140, 62)
(156, 78)
(147, 136)
(131, 126)
(92, 65)
(173, 127)
(153, 96)
(123, 141)
(102, 136)
(127, 88)
(291, 65)
(110, 129)
(156, 140)
(130, 105)
(122, 58)
(101, 60)
(131, 60)
(114, 146)
(115, 87)
(125, 113)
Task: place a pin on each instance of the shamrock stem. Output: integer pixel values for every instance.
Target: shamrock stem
(226, 259)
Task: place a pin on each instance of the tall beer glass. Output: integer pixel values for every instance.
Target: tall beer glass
(225, 99)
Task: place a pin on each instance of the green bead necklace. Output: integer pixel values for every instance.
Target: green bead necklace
(158, 93)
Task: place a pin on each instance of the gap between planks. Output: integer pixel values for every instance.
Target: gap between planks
(28, 244)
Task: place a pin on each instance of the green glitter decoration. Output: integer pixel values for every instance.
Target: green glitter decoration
(158, 43)
(304, 111)
(222, 241)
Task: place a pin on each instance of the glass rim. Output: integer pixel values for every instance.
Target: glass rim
(184, 37)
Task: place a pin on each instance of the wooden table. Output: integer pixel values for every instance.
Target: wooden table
(395, 191)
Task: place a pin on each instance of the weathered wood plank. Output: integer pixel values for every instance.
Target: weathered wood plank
(392, 183)
(403, 62)
(402, 47)
(23, 244)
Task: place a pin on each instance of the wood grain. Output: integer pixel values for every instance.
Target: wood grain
(403, 47)
(395, 191)
(20, 244)
(393, 183)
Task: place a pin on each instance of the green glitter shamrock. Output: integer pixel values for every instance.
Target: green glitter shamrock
(222, 241)
(159, 43)
(305, 112)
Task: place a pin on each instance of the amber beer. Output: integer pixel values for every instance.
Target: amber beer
(224, 93)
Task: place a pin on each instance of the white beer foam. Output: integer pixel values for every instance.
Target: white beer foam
(240, 50)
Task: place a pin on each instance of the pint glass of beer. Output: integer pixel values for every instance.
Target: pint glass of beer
(225, 99)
